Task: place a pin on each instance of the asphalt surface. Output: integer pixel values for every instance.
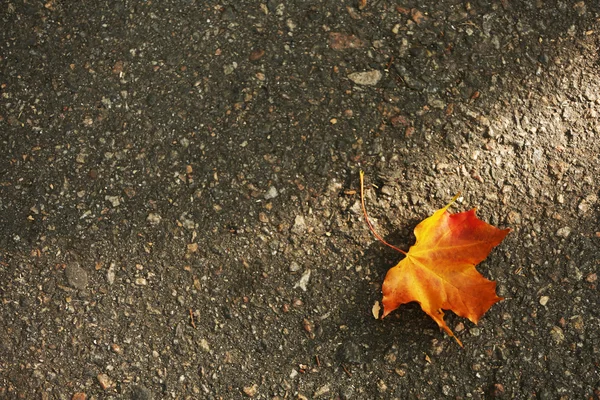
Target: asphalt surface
(179, 215)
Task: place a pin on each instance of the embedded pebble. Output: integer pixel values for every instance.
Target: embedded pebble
(497, 390)
(446, 390)
(294, 267)
(141, 281)
(350, 352)
(229, 68)
(586, 204)
(577, 323)
(271, 193)
(299, 225)
(116, 348)
(376, 309)
(563, 232)
(341, 41)
(251, 391)
(381, 386)
(187, 222)
(557, 334)
(262, 217)
(347, 392)
(256, 55)
(104, 381)
(303, 281)
(387, 190)
(321, 391)
(356, 208)
(204, 345)
(367, 78)
(76, 276)
(544, 300)
(110, 274)
(437, 103)
(140, 393)
(114, 200)
(291, 24)
(154, 219)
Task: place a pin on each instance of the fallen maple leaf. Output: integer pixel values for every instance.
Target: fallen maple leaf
(439, 271)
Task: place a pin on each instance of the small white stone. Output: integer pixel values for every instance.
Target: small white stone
(114, 200)
(299, 225)
(356, 208)
(271, 193)
(376, 309)
(368, 78)
(303, 281)
(588, 203)
(290, 24)
(154, 219)
(544, 300)
(204, 345)
(321, 391)
(563, 232)
(141, 281)
(251, 391)
(110, 274)
(295, 267)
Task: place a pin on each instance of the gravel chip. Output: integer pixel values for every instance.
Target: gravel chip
(110, 274)
(105, 382)
(140, 393)
(387, 190)
(251, 391)
(356, 208)
(563, 232)
(303, 281)
(271, 193)
(446, 390)
(154, 219)
(294, 267)
(203, 343)
(76, 276)
(368, 78)
(141, 281)
(187, 222)
(350, 352)
(256, 55)
(497, 390)
(341, 41)
(557, 334)
(323, 390)
(114, 200)
(299, 225)
(586, 204)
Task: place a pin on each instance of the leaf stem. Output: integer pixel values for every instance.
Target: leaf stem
(452, 201)
(362, 200)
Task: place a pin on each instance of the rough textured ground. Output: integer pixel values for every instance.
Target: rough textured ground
(162, 158)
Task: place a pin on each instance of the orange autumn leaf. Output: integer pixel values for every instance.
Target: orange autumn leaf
(439, 271)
